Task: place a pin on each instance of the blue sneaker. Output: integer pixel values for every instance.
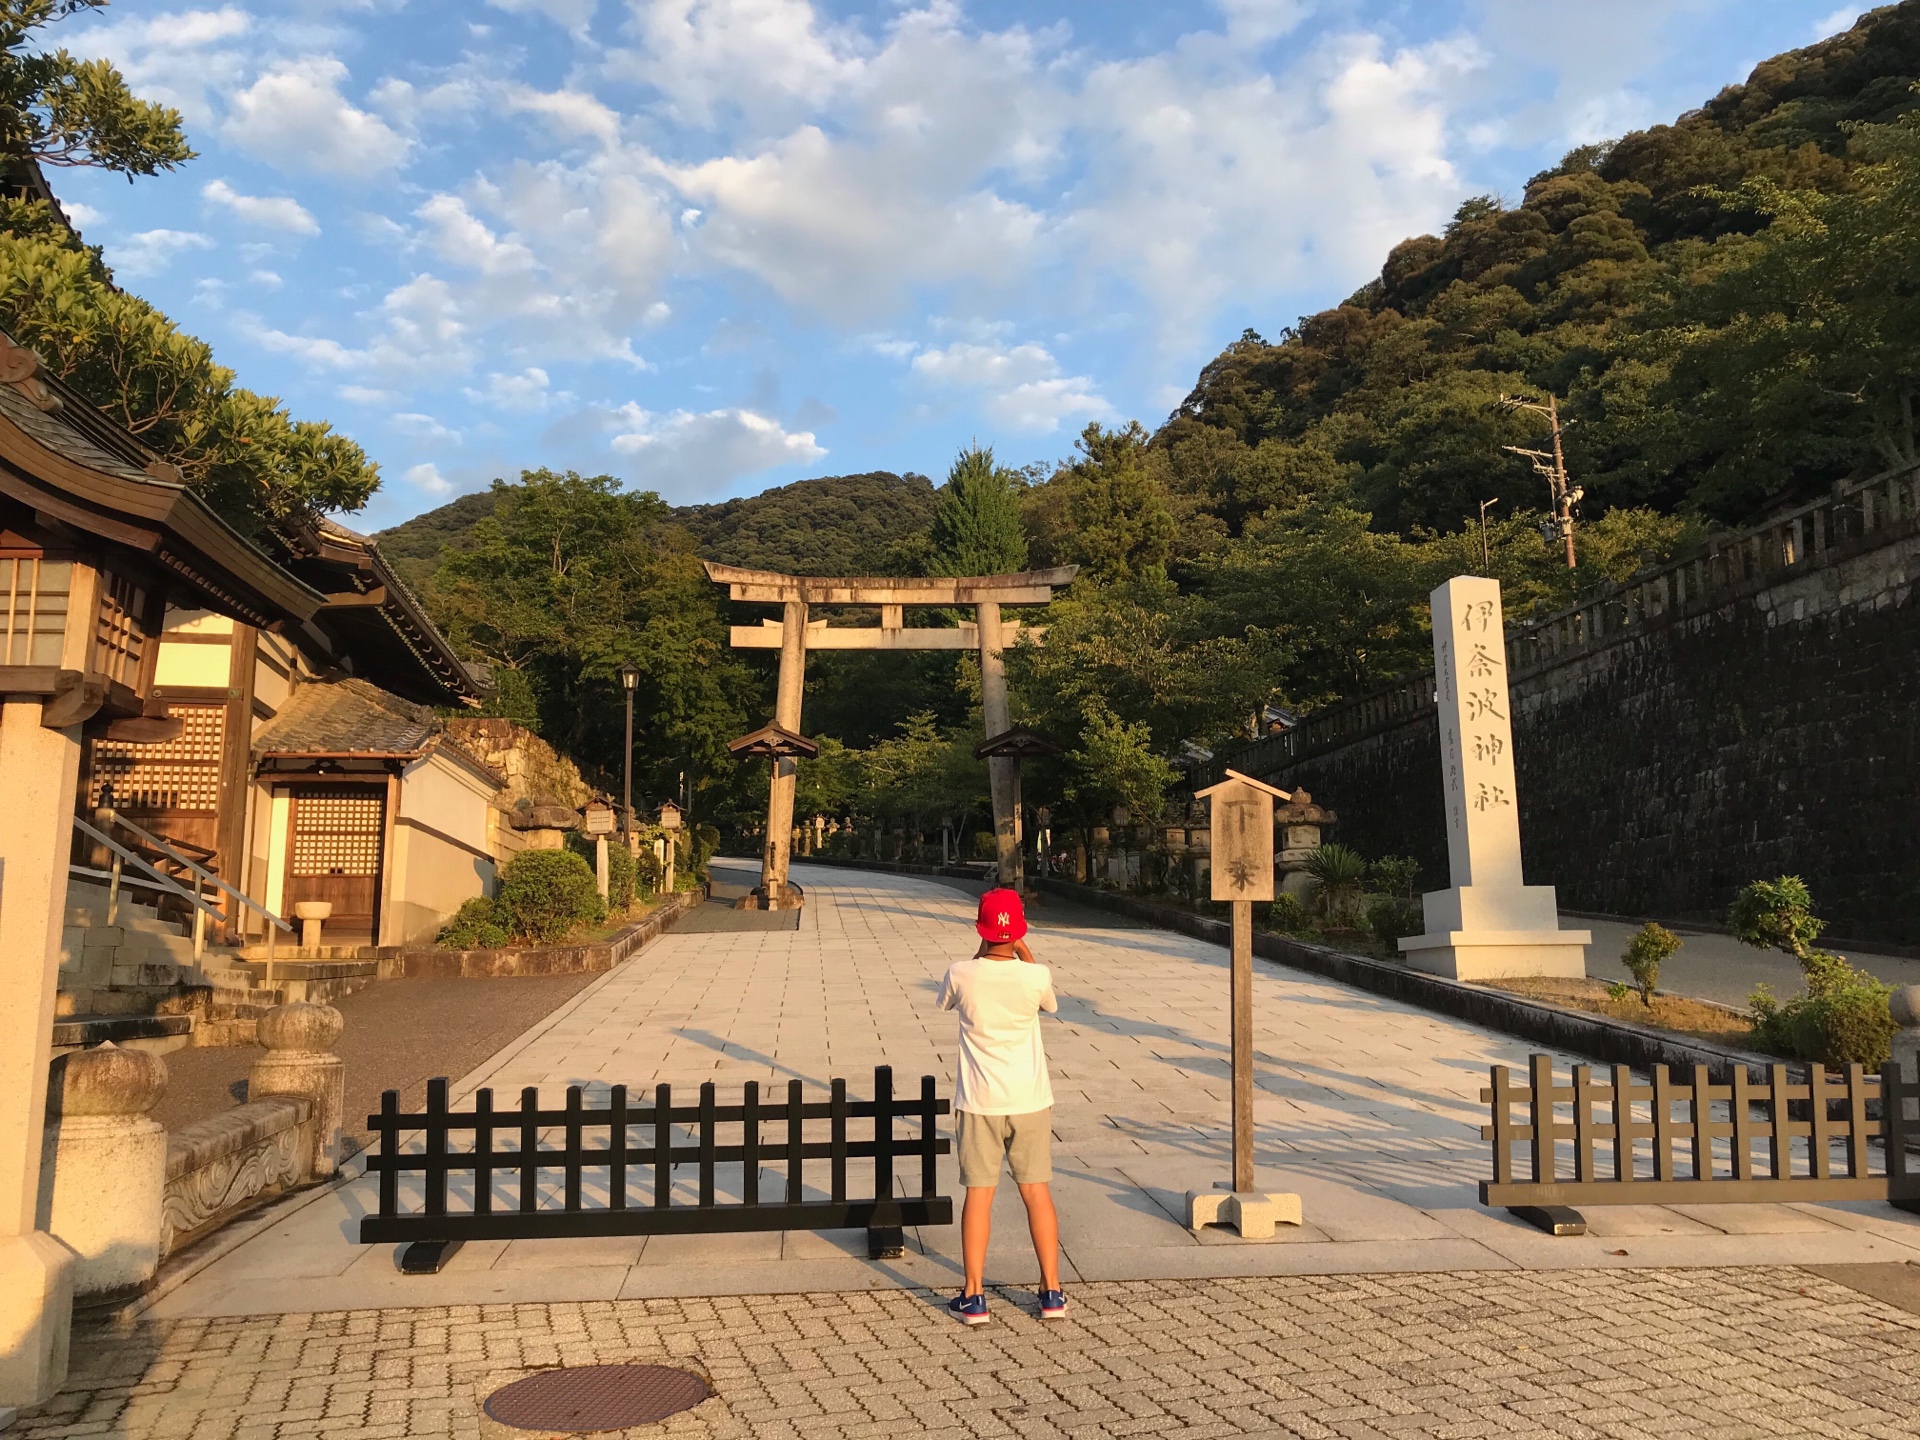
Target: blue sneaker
(1053, 1304)
(969, 1309)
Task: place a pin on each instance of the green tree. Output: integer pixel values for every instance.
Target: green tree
(572, 577)
(1119, 522)
(976, 525)
(243, 451)
(56, 110)
(1114, 764)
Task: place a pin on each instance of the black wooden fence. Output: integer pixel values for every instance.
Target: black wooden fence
(1778, 1138)
(599, 1143)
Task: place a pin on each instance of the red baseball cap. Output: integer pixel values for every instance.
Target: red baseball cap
(1002, 918)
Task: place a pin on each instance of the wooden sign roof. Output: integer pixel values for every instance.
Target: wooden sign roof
(775, 742)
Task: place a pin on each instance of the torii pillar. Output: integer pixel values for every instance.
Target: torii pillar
(793, 635)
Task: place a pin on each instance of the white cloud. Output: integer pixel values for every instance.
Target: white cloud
(151, 251)
(1259, 21)
(416, 327)
(698, 53)
(266, 279)
(424, 428)
(1021, 385)
(180, 59)
(295, 117)
(571, 112)
(271, 212)
(687, 452)
(572, 15)
(527, 392)
(1841, 19)
(81, 213)
(427, 477)
(367, 395)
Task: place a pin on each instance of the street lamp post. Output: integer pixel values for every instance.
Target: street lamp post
(629, 678)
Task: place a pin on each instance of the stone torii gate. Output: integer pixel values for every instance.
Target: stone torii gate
(794, 634)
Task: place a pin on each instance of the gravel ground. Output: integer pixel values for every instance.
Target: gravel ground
(400, 1033)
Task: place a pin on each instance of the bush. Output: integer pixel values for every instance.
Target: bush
(546, 893)
(475, 926)
(706, 840)
(1398, 875)
(1775, 915)
(1288, 916)
(622, 887)
(1337, 873)
(1651, 947)
(1842, 1020)
(1392, 919)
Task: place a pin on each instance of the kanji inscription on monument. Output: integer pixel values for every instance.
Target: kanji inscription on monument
(1490, 923)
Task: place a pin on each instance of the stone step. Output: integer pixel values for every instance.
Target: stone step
(157, 1033)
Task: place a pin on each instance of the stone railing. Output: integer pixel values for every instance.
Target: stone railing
(1855, 516)
(122, 1194)
(217, 1167)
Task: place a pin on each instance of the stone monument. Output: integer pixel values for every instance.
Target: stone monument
(1491, 923)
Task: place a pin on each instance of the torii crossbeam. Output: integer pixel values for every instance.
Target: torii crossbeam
(793, 636)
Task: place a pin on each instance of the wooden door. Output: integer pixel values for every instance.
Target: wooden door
(335, 833)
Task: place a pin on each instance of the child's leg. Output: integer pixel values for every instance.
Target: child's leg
(976, 1225)
(1043, 1223)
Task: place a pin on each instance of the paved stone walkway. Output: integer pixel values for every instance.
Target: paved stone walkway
(1629, 1355)
(1366, 1108)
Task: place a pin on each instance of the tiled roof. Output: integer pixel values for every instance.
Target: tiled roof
(347, 716)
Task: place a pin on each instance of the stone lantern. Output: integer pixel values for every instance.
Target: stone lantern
(1299, 823)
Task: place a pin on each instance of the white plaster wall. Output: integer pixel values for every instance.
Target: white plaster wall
(431, 880)
(193, 665)
(448, 797)
(277, 824)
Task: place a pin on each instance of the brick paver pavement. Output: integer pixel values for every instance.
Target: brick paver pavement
(1728, 1353)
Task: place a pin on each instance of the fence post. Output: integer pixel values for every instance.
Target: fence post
(571, 1160)
(529, 1149)
(617, 1148)
(483, 1153)
(662, 1146)
(796, 1141)
(750, 1143)
(886, 1237)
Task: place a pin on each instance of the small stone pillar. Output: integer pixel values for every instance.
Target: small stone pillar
(299, 1038)
(313, 916)
(1905, 1005)
(1299, 822)
(103, 1167)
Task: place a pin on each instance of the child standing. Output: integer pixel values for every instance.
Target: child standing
(1002, 1098)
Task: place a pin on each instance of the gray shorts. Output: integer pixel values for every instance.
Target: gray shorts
(1023, 1141)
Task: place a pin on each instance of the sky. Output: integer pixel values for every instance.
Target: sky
(710, 246)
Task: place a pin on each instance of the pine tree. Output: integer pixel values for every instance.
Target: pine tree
(976, 527)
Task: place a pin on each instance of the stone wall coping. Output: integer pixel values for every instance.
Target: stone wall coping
(431, 961)
(207, 1141)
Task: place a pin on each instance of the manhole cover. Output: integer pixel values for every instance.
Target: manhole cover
(596, 1397)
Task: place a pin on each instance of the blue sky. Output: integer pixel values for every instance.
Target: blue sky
(715, 245)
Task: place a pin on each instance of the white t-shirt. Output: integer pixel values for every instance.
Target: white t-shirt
(1003, 1066)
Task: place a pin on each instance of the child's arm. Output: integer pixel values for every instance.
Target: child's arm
(1020, 949)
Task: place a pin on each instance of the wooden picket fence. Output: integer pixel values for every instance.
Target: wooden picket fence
(1774, 1138)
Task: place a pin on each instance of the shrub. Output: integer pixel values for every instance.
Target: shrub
(1397, 875)
(1337, 873)
(621, 877)
(475, 926)
(1842, 1019)
(1651, 947)
(706, 840)
(1288, 916)
(1775, 915)
(546, 893)
(1391, 919)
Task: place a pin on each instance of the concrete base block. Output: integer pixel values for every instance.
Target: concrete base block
(1251, 1214)
(1499, 954)
(36, 1317)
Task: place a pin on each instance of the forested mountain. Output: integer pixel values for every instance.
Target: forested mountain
(832, 525)
(1643, 282)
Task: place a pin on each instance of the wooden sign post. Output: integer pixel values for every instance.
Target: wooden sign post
(1241, 844)
(600, 824)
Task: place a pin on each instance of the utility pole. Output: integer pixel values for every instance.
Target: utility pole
(1552, 468)
(1486, 554)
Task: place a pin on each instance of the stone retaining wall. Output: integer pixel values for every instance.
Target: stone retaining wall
(418, 962)
(1747, 711)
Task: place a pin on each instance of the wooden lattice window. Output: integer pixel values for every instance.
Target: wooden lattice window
(35, 594)
(173, 775)
(336, 832)
(119, 636)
